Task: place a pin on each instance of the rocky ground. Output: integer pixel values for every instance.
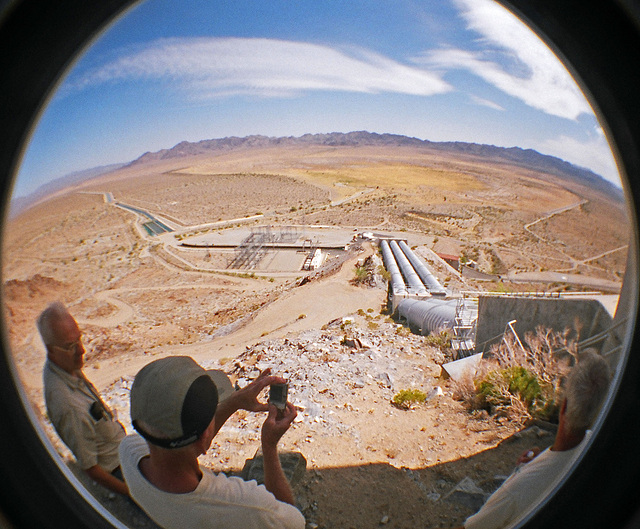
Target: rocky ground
(368, 462)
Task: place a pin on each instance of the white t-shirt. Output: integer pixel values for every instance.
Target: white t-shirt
(523, 489)
(217, 502)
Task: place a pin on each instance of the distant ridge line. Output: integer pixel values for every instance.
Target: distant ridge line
(22, 203)
(528, 158)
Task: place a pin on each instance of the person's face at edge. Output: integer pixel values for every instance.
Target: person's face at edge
(67, 351)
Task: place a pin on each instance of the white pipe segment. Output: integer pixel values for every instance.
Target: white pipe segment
(432, 284)
(413, 280)
(398, 286)
(427, 315)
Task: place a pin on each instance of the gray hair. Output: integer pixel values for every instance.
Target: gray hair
(47, 319)
(587, 387)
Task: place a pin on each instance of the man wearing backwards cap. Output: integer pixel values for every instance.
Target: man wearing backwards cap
(178, 407)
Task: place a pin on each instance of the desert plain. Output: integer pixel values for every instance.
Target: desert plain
(138, 297)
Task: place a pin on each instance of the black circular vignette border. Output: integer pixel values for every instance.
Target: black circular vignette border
(601, 42)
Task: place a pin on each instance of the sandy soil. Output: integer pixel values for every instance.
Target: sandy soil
(138, 298)
(403, 463)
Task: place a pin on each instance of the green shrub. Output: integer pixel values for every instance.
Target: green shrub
(384, 273)
(345, 324)
(501, 389)
(406, 398)
(524, 384)
(361, 275)
(522, 381)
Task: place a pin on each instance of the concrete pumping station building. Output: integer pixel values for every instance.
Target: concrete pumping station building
(478, 320)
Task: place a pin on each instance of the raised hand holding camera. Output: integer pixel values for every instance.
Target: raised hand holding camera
(277, 423)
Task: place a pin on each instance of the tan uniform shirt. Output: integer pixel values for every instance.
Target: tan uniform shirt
(82, 420)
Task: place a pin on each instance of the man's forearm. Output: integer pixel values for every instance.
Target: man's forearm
(274, 479)
(99, 474)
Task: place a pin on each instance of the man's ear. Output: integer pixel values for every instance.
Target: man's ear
(563, 407)
(206, 437)
(51, 355)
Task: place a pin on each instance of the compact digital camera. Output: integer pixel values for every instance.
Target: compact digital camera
(278, 395)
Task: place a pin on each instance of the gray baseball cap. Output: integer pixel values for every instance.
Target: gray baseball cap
(175, 399)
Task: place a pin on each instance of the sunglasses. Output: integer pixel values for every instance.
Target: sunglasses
(70, 348)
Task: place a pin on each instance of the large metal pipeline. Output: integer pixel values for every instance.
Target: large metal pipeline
(427, 315)
(432, 284)
(415, 284)
(398, 286)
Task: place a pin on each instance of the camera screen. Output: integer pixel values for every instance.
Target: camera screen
(278, 395)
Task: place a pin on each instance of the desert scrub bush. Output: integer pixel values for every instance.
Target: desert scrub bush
(515, 392)
(384, 273)
(497, 266)
(472, 254)
(406, 398)
(548, 353)
(346, 324)
(524, 382)
(361, 275)
(440, 339)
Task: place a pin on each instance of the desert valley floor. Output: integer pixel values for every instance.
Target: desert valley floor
(139, 296)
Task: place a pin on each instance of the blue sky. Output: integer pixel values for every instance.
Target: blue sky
(441, 70)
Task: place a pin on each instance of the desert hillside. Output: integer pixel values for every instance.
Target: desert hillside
(139, 296)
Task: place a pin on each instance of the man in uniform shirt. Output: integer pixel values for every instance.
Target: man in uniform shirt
(80, 417)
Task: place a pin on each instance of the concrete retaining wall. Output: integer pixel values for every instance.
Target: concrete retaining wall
(558, 314)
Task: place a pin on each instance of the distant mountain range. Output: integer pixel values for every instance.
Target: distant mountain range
(527, 158)
(21, 203)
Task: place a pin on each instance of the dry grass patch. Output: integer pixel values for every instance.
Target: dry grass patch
(392, 176)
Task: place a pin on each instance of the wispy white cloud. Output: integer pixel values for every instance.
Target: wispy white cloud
(486, 102)
(214, 67)
(513, 59)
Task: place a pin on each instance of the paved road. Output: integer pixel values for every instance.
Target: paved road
(559, 277)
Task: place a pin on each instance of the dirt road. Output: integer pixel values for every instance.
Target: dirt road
(307, 307)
